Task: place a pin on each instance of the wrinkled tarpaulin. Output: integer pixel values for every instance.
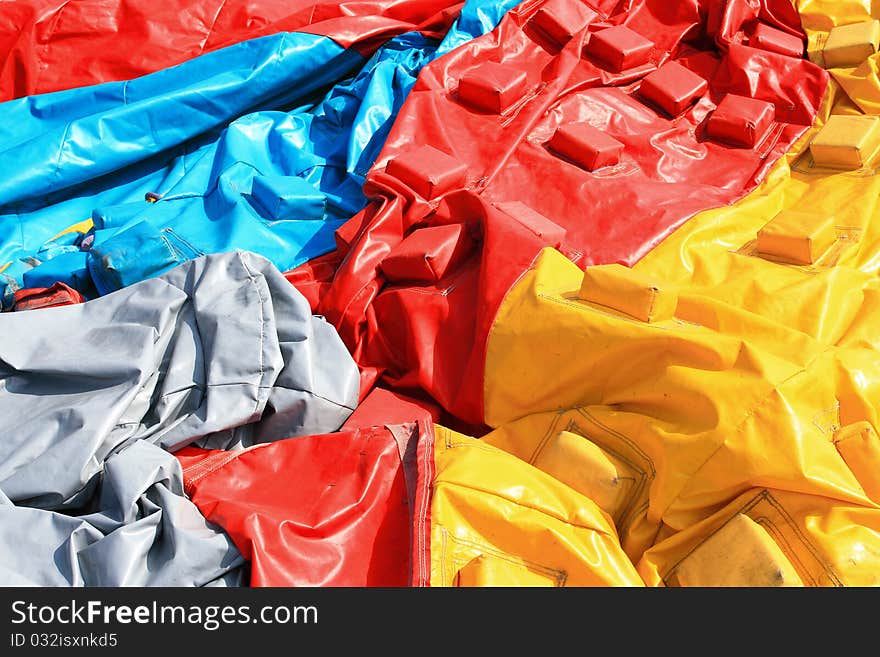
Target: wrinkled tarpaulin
(730, 440)
(143, 531)
(221, 351)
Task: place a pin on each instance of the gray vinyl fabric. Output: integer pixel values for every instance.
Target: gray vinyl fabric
(221, 351)
(144, 532)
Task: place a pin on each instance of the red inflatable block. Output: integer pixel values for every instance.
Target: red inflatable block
(769, 38)
(427, 254)
(46, 297)
(740, 121)
(492, 87)
(620, 48)
(428, 172)
(560, 20)
(673, 88)
(587, 146)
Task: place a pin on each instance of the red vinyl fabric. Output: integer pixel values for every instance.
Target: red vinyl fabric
(329, 510)
(58, 294)
(450, 160)
(302, 510)
(48, 45)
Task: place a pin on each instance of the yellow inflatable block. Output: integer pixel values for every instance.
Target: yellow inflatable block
(740, 553)
(498, 521)
(849, 45)
(846, 142)
(796, 237)
(629, 292)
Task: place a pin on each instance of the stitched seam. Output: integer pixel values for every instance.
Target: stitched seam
(172, 252)
(424, 574)
(211, 464)
(776, 535)
(805, 541)
(206, 467)
(185, 242)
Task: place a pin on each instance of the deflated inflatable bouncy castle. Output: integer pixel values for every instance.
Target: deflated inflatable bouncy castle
(405, 293)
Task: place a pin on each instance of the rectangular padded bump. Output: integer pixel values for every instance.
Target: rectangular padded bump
(584, 466)
(549, 232)
(769, 38)
(492, 87)
(289, 197)
(740, 120)
(620, 48)
(850, 45)
(560, 20)
(629, 292)
(846, 142)
(427, 254)
(585, 145)
(796, 237)
(672, 88)
(741, 553)
(429, 172)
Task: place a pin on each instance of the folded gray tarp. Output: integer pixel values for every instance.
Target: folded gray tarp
(143, 533)
(220, 350)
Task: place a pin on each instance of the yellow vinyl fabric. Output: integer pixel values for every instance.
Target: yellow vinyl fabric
(663, 424)
(731, 438)
(498, 521)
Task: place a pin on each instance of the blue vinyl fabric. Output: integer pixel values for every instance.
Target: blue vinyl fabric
(115, 183)
(477, 17)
